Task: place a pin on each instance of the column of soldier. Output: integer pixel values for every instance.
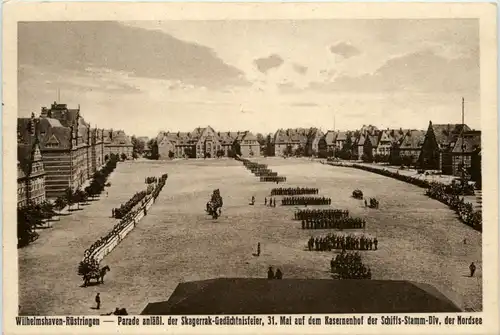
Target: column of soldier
(344, 242)
(328, 219)
(262, 171)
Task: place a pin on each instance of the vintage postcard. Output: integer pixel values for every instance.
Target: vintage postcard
(250, 168)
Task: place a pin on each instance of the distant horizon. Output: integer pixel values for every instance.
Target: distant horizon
(260, 75)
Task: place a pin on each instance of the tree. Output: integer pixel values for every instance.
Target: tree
(123, 156)
(288, 151)
(188, 152)
(269, 146)
(69, 196)
(138, 146)
(299, 151)
(171, 154)
(237, 148)
(153, 149)
(60, 203)
(261, 139)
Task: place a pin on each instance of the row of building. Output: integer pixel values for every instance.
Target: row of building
(441, 147)
(59, 149)
(207, 143)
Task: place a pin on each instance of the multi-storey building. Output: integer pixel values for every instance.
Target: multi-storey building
(118, 143)
(410, 146)
(440, 139)
(206, 143)
(466, 154)
(30, 169)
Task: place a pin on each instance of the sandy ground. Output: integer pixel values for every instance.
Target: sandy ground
(420, 239)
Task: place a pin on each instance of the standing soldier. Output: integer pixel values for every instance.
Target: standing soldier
(98, 301)
(265, 201)
(472, 269)
(270, 273)
(279, 275)
(258, 249)
(375, 242)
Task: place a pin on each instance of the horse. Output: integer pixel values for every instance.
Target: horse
(214, 205)
(98, 275)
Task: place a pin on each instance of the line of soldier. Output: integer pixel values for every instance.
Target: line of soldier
(272, 202)
(305, 214)
(334, 223)
(344, 242)
(291, 201)
(349, 266)
(273, 179)
(294, 191)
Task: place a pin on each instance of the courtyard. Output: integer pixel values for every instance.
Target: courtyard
(420, 239)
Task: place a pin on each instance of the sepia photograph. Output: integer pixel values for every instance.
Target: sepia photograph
(250, 167)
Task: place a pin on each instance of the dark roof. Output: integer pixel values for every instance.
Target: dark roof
(300, 296)
(413, 139)
(448, 133)
(471, 140)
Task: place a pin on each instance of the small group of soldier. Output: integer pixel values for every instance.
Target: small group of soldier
(339, 241)
(272, 202)
(272, 275)
(291, 201)
(294, 191)
(150, 180)
(349, 266)
(334, 223)
(307, 214)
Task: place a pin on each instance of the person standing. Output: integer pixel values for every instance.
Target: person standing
(98, 301)
(258, 249)
(279, 274)
(270, 273)
(472, 268)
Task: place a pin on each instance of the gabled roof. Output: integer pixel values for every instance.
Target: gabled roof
(330, 137)
(374, 140)
(471, 143)
(236, 296)
(448, 133)
(413, 139)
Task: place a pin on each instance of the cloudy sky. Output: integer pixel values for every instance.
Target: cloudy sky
(260, 75)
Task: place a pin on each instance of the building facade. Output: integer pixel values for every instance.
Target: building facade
(30, 169)
(70, 150)
(207, 143)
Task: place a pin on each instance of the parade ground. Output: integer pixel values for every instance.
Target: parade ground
(420, 239)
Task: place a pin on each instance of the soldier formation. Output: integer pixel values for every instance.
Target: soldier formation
(273, 179)
(306, 214)
(334, 223)
(262, 171)
(291, 201)
(294, 191)
(344, 242)
(349, 266)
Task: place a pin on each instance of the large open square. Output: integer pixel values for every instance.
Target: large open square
(420, 239)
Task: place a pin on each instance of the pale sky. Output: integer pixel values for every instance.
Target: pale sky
(148, 76)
